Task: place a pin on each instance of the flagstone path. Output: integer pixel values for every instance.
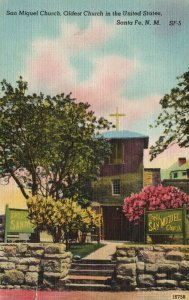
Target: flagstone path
(104, 253)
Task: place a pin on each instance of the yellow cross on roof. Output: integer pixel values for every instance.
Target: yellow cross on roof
(117, 115)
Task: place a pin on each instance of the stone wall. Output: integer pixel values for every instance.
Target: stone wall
(151, 267)
(31, 266)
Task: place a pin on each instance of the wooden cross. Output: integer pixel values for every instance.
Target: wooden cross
(117, 115)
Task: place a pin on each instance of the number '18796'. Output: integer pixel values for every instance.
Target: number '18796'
(177, 296)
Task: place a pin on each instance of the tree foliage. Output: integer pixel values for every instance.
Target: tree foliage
(153, 198)
(61, 218)
(174, 118)
(48, 145)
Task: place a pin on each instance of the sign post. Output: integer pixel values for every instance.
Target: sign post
(165, 222)
(145, 236)
(184, 224)
(6, 223)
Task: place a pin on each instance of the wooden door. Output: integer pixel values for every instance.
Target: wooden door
(115, 224)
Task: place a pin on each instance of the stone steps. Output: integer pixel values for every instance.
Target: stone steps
(96, 261)
(91, 272)
(89, 279)
(87, 266)
(87, 287)
(90, 275)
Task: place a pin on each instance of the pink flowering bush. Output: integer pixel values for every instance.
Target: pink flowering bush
(153, 198)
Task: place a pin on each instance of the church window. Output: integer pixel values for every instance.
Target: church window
(117, 154)
(116, 187)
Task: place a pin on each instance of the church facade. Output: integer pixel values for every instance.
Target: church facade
(119, 177)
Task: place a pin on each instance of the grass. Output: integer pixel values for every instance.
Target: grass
(84, 249)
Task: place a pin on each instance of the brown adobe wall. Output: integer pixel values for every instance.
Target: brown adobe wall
(133, 158)
(130, 183)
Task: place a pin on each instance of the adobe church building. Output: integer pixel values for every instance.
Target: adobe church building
(119, 177)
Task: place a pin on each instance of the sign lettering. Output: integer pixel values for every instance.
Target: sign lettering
(164, 222)
(17, 221)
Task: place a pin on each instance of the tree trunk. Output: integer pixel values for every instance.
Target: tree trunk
(34, 180)
(83, 237)
(57, 235)
(66, 236)
(19, 185)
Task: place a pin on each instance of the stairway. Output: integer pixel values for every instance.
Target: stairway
(90, 275)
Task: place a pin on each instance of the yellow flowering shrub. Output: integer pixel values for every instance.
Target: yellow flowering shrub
(62, 217)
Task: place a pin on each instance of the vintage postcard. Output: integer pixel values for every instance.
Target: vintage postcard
(94, 161)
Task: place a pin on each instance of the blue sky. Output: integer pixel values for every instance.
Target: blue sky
(107, 65)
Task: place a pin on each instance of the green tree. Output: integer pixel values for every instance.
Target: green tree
(48, 145)
(174, 118)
